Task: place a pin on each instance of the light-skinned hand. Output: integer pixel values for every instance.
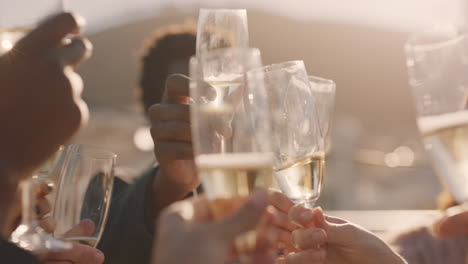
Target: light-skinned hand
(281, 222)
(187, 232)
(454, 224)
(331, 240)
(79, 254)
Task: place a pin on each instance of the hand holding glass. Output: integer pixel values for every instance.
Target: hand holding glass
(297, 139)
(230, 130)
(84, 191)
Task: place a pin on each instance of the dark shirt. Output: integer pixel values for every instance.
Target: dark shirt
(128, 235)
(10, 253)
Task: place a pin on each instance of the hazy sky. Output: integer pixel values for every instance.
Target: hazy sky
(402, 14)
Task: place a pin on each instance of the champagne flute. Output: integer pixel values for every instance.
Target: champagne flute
(221, 28)
(324, 92)
(238, 110)
(18, 19)
(84, 191)
(218, 29)
(437, 63)
(298, 141)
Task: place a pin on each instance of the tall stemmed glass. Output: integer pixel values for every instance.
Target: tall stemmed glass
(298, 142)
(222, 28)
(437, 62)
(18, 18)
(236, 109)
(219, 29)
(84, 191)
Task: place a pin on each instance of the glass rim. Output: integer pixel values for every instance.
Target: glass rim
(225, 51)
(321, 80)
(417, 41)
(237, 10)
(104, 153)
(282, 65)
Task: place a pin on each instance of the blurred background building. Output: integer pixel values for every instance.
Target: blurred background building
(377, 160)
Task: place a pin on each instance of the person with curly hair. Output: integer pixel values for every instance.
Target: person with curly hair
(128, 235)
(166, 52)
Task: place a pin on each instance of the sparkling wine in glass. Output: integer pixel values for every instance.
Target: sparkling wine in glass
(231, 131)
(437, 63)
(297, 136)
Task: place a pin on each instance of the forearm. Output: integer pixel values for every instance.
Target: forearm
(165, 192)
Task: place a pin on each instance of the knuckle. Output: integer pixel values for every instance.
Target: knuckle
(70, 21)
(302, 238)
(155, 130)
(295, 237)
(153, 109)
(294, 213)
(68, 18)
(88, 46)
(156, 112)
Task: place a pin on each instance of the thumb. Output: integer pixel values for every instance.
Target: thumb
(84, 228)
(340, 231)
(245, 219)
(455, 225)
(176, 89)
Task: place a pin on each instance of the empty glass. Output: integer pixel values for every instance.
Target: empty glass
(29, 235)
(222, 28)
(84, 191)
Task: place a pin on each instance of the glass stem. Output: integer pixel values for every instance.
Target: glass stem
(309, 204)
(28, 200)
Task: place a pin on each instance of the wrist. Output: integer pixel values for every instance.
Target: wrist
(166, 192)
(165, 180)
